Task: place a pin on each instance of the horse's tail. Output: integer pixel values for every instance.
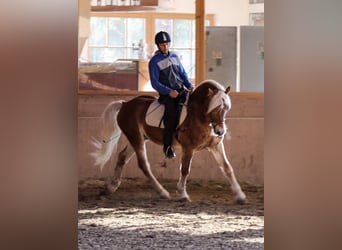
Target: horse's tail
(110, 134)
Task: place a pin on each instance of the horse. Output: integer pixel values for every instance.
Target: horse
(204, 127)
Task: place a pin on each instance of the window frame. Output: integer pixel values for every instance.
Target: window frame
(107, 42)
(150, 18)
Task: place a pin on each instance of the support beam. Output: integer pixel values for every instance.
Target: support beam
(200, 41)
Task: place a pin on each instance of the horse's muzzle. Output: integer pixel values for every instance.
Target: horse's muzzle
(219, 132)
(219, 129)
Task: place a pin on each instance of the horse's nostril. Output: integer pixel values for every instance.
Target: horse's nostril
(219, 132)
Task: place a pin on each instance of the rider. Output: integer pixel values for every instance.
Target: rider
(168, 78)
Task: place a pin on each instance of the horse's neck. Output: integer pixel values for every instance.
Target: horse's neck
(196, 111)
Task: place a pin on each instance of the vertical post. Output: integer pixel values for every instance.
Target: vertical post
(200, 41)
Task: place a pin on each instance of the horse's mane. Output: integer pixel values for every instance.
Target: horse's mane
(202, 92)
(213, 83)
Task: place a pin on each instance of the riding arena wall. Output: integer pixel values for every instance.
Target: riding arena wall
(244, 143)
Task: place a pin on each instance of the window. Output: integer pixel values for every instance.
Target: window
(114, 38)
(183, 38)
(255, 1)
(256, 12)
(256, 19)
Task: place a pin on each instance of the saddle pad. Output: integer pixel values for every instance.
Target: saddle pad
(155, 114)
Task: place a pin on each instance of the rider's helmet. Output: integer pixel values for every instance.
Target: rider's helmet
(162, 37)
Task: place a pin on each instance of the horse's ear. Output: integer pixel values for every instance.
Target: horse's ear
(227, 89)
(210, 92)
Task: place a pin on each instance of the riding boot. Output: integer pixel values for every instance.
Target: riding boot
(168, 151)
(167, 141)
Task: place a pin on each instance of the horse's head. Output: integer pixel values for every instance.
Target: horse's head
(218, 108)
(210, 103)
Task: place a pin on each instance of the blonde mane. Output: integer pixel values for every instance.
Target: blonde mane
(219, 99)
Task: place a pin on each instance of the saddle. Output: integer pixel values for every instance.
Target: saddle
(155, 113)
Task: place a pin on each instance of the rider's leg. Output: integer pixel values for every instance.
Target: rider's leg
(170, 123)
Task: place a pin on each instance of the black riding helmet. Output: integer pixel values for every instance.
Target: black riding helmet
(162, 37)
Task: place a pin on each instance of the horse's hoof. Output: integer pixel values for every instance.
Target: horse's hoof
(111, 189)
(184, 199)
(241, 201)
(165, 196)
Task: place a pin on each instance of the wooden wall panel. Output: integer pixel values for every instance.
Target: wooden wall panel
(244, 143)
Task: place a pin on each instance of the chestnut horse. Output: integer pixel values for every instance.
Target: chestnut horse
(204, 127)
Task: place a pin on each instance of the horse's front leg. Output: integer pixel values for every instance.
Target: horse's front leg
(227, 169)
(184, 173)
(144, 165)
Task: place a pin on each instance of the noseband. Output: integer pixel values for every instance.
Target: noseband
(214, 124)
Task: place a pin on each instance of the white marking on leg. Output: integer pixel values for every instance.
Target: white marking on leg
(184, 173)
(145, 167)
(234, 185)
(112, 187)
(181, 187)
(124, 156)
(227, 170)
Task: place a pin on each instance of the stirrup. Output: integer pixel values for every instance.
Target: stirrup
(169, 153)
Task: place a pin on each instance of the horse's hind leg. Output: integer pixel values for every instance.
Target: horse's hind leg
(227, 169)
(144, 165)
(124, 156)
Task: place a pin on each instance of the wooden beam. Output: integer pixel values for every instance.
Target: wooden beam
(200, 41)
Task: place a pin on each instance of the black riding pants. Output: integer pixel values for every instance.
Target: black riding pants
(171, 116)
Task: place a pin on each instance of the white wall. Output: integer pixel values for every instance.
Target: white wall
(228, 12)
(83, 24)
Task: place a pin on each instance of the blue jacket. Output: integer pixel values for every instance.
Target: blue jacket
(167, 73)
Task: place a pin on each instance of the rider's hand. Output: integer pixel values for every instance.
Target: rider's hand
(173, 93)
(191, 89)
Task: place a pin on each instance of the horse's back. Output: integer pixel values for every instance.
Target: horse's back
(133, 111)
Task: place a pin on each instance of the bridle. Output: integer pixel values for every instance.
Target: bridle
(214, 123)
